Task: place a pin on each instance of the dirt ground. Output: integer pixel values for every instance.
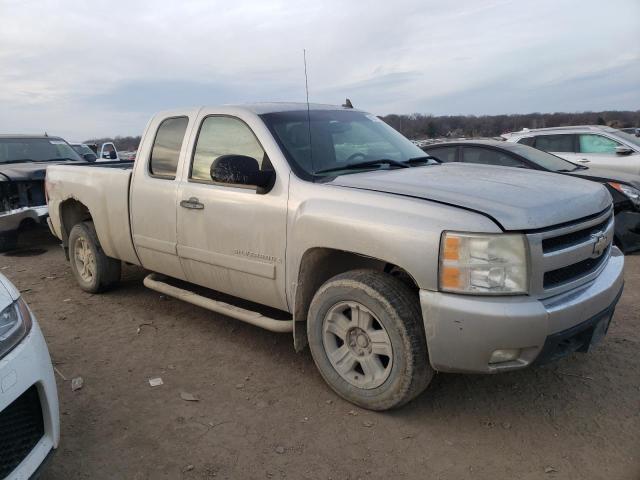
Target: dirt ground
(264, 411)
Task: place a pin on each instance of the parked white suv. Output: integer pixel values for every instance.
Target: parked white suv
(29, 418)
(596, 145)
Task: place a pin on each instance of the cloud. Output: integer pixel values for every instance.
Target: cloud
(103, 67)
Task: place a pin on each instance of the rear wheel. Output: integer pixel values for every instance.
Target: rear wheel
(94, 271)
(366, 337)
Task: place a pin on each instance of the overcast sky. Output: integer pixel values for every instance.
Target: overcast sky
(81, 69)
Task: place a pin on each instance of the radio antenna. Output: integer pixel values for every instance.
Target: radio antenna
(306, 87)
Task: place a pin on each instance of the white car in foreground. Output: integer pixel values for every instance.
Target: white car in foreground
(29, 416)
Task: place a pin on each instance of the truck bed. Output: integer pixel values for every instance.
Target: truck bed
(103, 189)
(121, 164)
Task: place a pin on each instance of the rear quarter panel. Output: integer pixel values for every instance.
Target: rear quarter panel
(105, 192)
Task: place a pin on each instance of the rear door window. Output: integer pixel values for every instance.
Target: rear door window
(527, 141)
(597, 144)
(166, 147)
(444, 154)
(555, 143)
(489, 156)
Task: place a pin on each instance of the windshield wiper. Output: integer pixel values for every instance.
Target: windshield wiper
(365, 164)
(16, 160)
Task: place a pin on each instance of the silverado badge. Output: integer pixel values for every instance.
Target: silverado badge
(600, 244)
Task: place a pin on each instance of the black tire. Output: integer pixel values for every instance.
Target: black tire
(107, 269)
(8, 241)
(394, 307)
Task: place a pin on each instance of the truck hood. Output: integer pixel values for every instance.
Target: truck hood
(27, 170)
(516, 199)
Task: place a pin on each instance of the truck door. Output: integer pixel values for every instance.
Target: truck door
(231, 238)
(153, 198)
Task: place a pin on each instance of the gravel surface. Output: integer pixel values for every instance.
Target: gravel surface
(237, 402)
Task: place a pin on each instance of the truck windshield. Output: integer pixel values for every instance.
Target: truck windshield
(16, 150)
(336, 141)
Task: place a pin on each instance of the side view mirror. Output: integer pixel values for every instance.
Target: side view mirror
(113, 155)
(623, 150)
(242, 170)
(90, 157)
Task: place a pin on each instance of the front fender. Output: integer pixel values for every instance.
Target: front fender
(395, 229)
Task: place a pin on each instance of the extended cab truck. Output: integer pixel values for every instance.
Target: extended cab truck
(335, 227)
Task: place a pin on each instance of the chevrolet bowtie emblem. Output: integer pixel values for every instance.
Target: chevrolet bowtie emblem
(600, 244)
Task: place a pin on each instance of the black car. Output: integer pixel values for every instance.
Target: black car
(23, 163)
(624, 188)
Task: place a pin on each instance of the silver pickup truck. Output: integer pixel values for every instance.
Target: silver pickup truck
(327, 223)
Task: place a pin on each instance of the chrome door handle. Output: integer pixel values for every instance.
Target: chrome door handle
(193, 203)
(584, 160)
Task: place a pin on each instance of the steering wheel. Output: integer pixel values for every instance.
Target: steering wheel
(353, 156)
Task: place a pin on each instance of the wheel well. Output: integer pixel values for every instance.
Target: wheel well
(71, 212)
(26, 224)
(319, 265)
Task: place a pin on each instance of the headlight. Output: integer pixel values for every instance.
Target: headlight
(483, 264)
(630, 192)
(15, 323)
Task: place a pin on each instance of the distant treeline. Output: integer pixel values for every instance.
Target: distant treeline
(418, 125)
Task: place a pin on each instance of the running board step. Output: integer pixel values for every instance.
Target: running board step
(154, 282)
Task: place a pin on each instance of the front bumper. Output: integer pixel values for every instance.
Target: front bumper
(11, 220)
(29, 365)
(463, 331)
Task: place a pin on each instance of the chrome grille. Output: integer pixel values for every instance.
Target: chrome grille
(566, 257)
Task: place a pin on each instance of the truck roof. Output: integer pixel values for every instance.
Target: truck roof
(259, 108)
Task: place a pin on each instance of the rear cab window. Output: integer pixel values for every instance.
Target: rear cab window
(165, 152)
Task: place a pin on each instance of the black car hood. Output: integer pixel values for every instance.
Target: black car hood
(604, 175)
(26, 171)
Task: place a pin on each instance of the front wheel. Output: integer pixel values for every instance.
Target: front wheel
(93, 270)
(366, 337)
